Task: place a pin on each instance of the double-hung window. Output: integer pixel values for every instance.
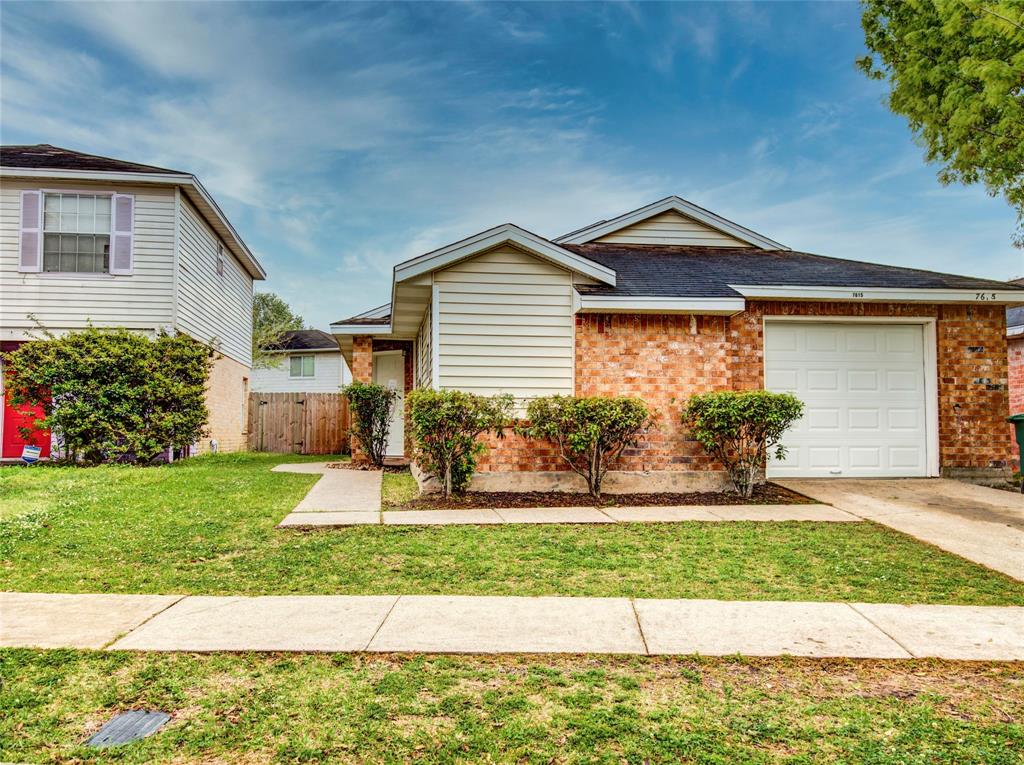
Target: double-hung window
(303, 366)
(76, 233)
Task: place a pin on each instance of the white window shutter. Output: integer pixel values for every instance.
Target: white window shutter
(30, 244)
(122, 235)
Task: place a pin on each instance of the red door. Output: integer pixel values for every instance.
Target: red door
(23, 416)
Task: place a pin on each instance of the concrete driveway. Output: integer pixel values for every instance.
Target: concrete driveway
(981, 524)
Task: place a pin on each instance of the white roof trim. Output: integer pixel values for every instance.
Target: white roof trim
(507, 233)
(679, 205)
(240, 248)
(299, 351)
(648, 304)
(360, 329)
(885, 294)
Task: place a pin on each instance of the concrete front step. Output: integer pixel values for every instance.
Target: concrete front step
(487, 624)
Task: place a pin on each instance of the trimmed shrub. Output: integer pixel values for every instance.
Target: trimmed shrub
(372, 406)
(590, 433)
(445, 425)
(740, 429)
(113, 396)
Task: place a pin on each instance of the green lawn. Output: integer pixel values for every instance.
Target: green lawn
(206, 526)
(398, 489)
(261, 708)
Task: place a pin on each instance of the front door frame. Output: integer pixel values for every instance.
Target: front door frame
(929, 331)
(401, 381)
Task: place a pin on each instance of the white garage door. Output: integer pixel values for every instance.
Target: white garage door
(863, 388)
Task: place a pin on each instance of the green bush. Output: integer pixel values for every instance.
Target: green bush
(445, 425)
(371, 406)
(740, 428)
(590, 433)
(113, 396)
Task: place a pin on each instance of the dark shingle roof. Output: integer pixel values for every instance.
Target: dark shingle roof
(379, 315)
(304, 340)
(45, 157)
(682, 271)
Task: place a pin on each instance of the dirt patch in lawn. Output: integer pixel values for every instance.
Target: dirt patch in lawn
(765, 494)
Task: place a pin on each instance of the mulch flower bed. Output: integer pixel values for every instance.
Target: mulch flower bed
(765, 494)
(367, 466)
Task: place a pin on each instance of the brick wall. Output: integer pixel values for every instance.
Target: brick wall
(1016, 373)
(973, 388)
(362, 359)
(665, 359)
(227, 399)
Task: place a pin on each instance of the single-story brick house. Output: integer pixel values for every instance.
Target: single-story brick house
(903, 371)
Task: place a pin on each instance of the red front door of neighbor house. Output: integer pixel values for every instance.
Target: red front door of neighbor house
(16, 418)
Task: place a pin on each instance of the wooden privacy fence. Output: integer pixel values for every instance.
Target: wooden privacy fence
(301, 423)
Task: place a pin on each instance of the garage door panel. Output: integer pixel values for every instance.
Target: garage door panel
(868, 418)
(863, 389)
(903, 419)
(862, 381)
(823, 419)
(865, 457)
(782, 380)
(823, 380)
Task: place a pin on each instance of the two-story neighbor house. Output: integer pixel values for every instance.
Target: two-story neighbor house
(91, 240)
(304, 361)
(903, 372)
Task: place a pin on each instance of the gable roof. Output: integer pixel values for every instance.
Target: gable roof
(676, 204)
(680, 271)
(43, 161)
(304, 340)
(507, 233)
(43, 155)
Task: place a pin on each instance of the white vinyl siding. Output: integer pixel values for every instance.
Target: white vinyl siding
(671, 228)
(506, 325)
(212, 307)
(424, 353)
(142, 300)
(328, 378)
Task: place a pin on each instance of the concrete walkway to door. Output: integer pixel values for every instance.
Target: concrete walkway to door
(350, 494)
(978, 523)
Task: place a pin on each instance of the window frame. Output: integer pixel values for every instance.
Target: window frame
(109, 193)
(302, 358)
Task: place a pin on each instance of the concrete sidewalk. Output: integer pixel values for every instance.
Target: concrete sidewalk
(468, 624)
(975, 522)
(499, 515)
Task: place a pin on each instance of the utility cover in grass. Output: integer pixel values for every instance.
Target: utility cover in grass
(127, 727)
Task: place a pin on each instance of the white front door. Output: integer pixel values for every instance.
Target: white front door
(863, 388)
(389, 371)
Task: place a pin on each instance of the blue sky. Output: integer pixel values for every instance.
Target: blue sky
(344, 138)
